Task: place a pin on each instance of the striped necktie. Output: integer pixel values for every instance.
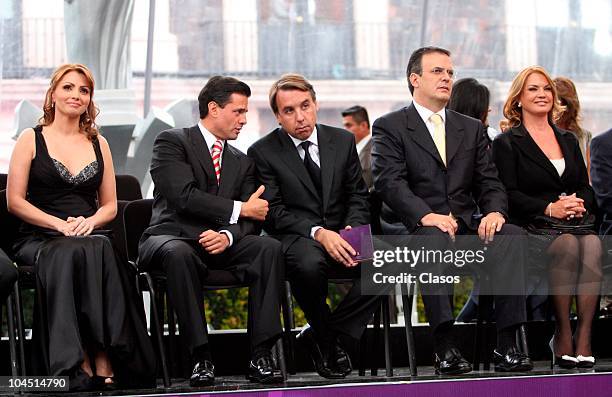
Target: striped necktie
(215, 153)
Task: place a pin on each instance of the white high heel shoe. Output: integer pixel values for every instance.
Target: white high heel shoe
(585, 361)
(565, 361)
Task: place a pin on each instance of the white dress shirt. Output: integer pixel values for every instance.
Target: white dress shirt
(313, 149)
(362, 143)
(426, 114)
(210, 141)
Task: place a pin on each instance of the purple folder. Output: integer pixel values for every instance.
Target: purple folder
(360, 238)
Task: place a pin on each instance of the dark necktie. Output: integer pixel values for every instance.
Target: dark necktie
(313, 169)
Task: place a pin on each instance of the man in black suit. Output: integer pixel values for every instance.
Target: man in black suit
(432, 171)
(314, 186)
(601, 177)
(205, 215)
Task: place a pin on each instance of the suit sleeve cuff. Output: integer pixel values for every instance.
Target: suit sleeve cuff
(314, 230)
(229, 236)
(235, 212)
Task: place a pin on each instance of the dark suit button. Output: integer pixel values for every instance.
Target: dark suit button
(450, 197)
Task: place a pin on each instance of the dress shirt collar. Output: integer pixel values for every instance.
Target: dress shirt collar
(209, 137)
(362, 143)
(426, 113)
(313, 138)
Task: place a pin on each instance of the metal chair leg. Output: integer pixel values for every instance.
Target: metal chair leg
(478, 334)
(288, 322)
(138, 289)
(522, 336)
(384, 307)
(487, 306)
(20, 328)
(11, 331)
(363, 349)
(374, 344)
(407, 299)
(173, 347)
(158, 329)
(279, 352)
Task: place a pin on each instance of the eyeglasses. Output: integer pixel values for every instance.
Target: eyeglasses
(440, 71)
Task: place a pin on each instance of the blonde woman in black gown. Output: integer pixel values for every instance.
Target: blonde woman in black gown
(62, 185)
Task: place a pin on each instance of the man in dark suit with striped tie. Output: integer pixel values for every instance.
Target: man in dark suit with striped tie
(205, 216)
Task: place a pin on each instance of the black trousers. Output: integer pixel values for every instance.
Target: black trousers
(308, 268)
(504, 267)
(8, 276)
(255, 260)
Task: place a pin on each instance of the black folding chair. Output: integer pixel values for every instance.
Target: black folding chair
(128, 187)
(10, 225)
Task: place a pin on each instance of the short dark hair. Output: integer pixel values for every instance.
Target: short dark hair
(219, 89)
(415, 63)
(470, 98)
(358, 113)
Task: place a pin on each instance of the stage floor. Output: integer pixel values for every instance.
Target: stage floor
(542, 381)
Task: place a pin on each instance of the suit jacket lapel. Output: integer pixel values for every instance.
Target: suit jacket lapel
(291, 157)
(229, 172)
(454, 136)
(203, 156)
(327, 159)
(532, 150)
(420, 134)
(567, 153)
(365, 156)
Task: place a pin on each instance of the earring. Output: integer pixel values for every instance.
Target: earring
(519, 104)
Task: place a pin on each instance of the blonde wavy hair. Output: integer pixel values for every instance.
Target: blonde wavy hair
(87, 121)
(513, 112)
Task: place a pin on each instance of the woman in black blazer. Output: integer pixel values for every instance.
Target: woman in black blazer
(544, 174)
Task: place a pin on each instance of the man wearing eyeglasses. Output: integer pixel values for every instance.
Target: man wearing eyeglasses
(432, 171)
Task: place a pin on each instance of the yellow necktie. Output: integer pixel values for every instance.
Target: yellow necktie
(439, 135)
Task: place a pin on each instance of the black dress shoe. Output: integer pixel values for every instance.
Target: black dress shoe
(451, 362)
(342, 359)
(263, 370)
(203, 374)
(512, 361)
(321, 358)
